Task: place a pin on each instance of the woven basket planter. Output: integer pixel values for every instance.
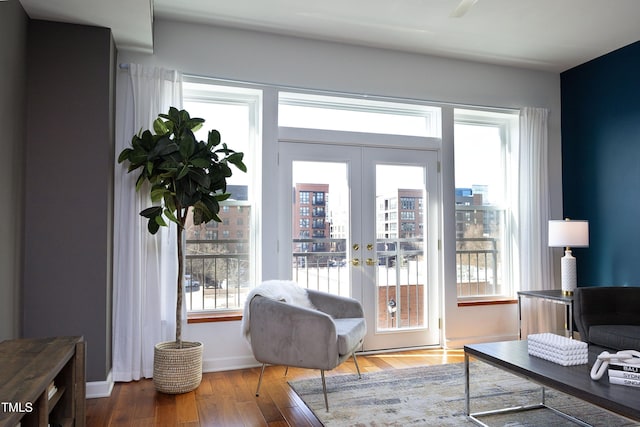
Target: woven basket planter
(177, 370)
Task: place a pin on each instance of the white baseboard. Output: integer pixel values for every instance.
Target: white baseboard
(97, 389)
(229, 363)
(460, 342)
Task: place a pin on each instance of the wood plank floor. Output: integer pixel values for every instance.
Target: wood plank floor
(226, 399)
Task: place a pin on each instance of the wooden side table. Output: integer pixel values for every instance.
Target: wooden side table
(42, 382)
(555, 296)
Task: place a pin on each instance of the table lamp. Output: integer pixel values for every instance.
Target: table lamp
(568, 234)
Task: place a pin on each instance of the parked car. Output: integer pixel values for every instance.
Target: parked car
(191, 285)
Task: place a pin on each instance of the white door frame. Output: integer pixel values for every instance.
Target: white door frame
(352, 150)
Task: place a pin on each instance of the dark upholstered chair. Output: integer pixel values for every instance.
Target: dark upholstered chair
(291, 335)
(608, 318)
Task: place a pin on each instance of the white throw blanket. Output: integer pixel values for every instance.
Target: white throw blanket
(281, 290)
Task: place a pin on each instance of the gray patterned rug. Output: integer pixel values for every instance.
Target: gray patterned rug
(434, 396)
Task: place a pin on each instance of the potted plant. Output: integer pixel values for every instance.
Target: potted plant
(183, 173)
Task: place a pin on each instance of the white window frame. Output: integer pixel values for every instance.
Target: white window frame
(223, 92)
(508, 124)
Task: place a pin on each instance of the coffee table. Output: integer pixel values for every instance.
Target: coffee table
(513, 356)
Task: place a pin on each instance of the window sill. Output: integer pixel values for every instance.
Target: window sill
(473, 303)
(210, 317)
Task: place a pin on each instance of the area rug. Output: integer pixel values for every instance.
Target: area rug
(434, 396)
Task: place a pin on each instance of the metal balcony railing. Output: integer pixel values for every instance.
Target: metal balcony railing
(477, 267)
(217, 273)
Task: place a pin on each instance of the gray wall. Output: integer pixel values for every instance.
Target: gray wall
(68, 187)
(13, 63)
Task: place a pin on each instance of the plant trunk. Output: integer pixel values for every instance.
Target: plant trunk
(180, 281)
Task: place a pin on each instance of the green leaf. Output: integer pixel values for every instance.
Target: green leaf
(163, 147)
(149, 168)
(172, 217)
(214, 139)
(187, 145)
(153, 226)
(199, 176)
(159, 127)
(124, 155)
(194, 124)
(160, 221)
(174, 115)
(201, 162)
(209, 206)
(221, 197)
(183, 172)
(236, 159)
(140, 181)
(157, 193)
(151, 212)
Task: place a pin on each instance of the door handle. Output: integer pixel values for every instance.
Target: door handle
(370, 261)
(355, 262)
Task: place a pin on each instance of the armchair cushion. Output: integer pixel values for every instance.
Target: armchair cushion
(619, 337)
(350, 332)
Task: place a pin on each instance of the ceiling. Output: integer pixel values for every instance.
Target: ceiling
(552, 35)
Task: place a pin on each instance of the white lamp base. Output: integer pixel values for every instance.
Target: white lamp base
(569, 276)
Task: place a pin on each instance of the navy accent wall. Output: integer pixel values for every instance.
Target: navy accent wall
(601, 164)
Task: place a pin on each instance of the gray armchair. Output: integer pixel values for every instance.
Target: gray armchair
(291, 335)
(608, 317)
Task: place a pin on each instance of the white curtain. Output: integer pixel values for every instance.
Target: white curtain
(534, 212)
(145, 265)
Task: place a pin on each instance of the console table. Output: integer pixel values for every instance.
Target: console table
(42, 382)
(554, 296)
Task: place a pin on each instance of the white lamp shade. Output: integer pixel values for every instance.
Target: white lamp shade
(565, 233)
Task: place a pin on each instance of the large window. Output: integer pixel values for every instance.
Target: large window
(357, 115)
(484, 143)
(220, 257)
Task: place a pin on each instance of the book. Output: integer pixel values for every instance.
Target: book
(628, 367)
(624, 381)
(624, 374)
(51, 390)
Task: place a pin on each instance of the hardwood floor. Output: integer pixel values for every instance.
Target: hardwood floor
(226, 399)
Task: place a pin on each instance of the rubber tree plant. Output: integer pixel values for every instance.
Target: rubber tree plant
(183, 173)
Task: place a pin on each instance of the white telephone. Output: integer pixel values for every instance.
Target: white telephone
(631, 357)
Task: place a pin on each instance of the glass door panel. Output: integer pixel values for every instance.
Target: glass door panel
(320, 225)
(400, 225)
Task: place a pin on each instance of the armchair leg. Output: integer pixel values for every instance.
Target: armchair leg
(356, 362)
(260, 380)
(324, 389)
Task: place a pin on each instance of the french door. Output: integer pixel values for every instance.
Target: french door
(364, 222)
